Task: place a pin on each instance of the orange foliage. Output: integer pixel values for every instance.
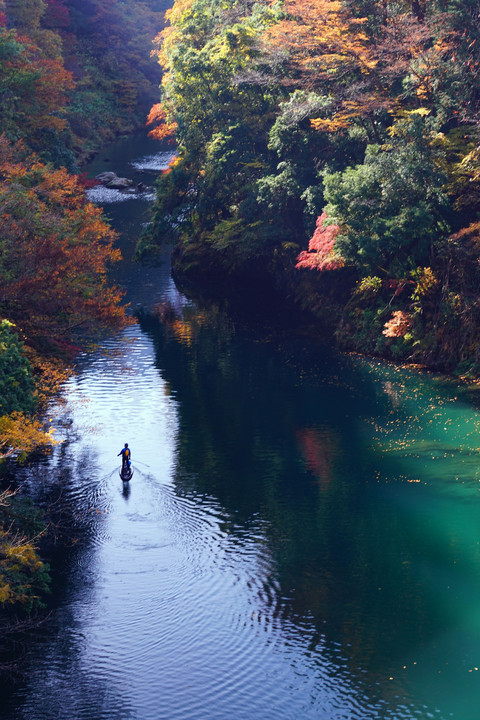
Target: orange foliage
(49, 374)
(40, 87)
(55, 251)
(51, 88)
(163, 130)
(321, 38)
(406, 49)
(398, 325)
(333, 125)
(328, 51)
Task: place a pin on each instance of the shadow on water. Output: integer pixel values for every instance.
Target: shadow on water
(363, 473)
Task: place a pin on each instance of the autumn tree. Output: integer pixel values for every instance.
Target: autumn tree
(55, 250)
(33, 91)
(320, 38)
(322, 254)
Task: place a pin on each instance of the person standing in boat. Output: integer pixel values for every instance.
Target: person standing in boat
(126, 457)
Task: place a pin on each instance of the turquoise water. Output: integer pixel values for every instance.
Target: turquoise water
(300, 538)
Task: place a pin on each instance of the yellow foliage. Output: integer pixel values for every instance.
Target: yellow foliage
(427, 282)
(5, 593)
(399, 114)
(49, 375)
(18, 559)
(471, 164)
(422, 111)
(22, 572)
(20, 435)
(332, 125)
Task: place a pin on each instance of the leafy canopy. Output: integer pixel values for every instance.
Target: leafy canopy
(393, 206)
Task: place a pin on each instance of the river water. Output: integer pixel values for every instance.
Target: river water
(300, 539)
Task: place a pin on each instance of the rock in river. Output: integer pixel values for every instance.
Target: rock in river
(111, 180)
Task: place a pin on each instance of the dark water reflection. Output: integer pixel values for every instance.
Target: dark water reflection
(317, 445)
(300, 538)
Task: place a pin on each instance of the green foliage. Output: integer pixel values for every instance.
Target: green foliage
(368, 286)
(16, 382)
(245, 246)
(222, 132)
(365, 113)
(393, 206)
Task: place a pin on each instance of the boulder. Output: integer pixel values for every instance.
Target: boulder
(111, 180)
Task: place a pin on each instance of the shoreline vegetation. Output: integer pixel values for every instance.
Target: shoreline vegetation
(73, 76)
(330, 151)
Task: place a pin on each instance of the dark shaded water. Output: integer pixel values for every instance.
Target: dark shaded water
(301, 537)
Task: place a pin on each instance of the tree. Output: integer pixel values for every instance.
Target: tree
(321, 39)
(20, 435)
(322, 254)
(54, 253)
(326, 50)
(220, 124)
(16, 381)
(25, 14)
(33, 90)
(392, 207)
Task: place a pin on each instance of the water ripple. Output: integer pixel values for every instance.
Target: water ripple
(157, 162)
(102, 195)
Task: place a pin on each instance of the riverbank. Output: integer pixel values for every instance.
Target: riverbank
(360, 205)
(397, 322)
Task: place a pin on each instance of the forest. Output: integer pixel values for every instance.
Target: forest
(329, 150)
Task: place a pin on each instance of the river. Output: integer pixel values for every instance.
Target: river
(300, 539)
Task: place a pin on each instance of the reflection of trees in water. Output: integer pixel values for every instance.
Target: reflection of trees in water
(47, 654)
(319, 447)
(274, 426)
(67, 489)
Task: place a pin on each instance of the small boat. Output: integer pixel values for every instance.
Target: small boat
(126, 473)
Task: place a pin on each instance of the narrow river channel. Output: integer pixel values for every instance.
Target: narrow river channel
(300, 539)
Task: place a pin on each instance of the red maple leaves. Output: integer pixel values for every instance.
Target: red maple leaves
(321, 254)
